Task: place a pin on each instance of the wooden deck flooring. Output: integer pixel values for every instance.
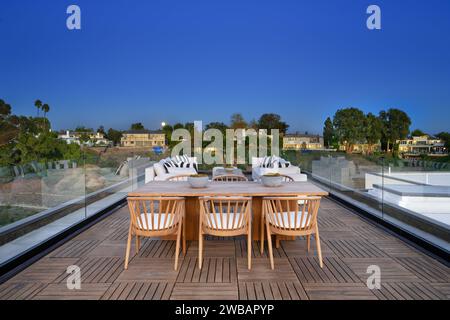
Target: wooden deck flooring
(349, 245)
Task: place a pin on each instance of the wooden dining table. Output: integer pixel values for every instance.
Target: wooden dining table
(251, 189)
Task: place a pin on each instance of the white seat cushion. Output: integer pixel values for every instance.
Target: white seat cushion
(228, 223)
(155, 221)
(283, 221)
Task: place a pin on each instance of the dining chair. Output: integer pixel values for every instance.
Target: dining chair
(290, 216)
(286, 178)
(225, 217)
(156, 217)
(182, 177)
(230, 178)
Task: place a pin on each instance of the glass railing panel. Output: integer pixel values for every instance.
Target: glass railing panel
(38, 200)
(416, 195)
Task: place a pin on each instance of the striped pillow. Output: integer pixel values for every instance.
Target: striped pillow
(265, 163)
(168, 163)
(283, 163)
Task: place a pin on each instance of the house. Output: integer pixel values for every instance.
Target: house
(302, 142)
(143, 138)
(95, 138)
(422, 145)
(363, 148)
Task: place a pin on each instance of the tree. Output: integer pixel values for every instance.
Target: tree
(373, 130)
(101, 130)
(83, 129)
(237, 121)
(23, 139)
(5, 109)
(222, 127)
(445, 136)
(38, 105)
(328, 133)
(349, 127)
(45, 108)
(253, 124)
(418, 133)
(137, 126)
(272, 121)
(167, 129)
(395, 127)
(178, 126)
(114, 136)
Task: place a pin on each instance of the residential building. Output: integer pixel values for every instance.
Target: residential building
(95, 138)
(143, 138)
(302, 142)
(363, 148)
(422, 145)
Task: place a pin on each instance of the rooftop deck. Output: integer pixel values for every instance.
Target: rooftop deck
(349, 244)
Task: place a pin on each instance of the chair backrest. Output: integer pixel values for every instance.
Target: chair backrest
(287, 178)
(291, 213)
(230, 178)
(225, 214)
(153, 214)
(181, 177)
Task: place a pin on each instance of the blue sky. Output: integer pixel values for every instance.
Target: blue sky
(183, 60)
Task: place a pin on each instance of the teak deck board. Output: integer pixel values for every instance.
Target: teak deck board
(99, 251)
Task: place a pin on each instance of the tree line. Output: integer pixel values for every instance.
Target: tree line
(25, 139)
(351, 126)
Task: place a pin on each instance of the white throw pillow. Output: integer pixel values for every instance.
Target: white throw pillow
(159, 169)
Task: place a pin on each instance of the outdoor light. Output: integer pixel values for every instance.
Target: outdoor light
(163, 124)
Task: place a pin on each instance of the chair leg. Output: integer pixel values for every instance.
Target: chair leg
(308, 241)
(200, 250)
(127, 252)
(249, 250)
(262, 232)
(177, 247)
(138, 244)
(319, 249)
(184, 236)
(269, 243)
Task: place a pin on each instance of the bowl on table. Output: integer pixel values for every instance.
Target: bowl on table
(198, 181)
(229, 169)
(272, 180)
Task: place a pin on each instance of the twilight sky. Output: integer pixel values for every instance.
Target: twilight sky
(184, 60)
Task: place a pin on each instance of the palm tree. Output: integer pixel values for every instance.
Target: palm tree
(38, 105)
(45, 108)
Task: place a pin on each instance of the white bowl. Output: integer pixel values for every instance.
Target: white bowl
(269, 181)
(198, 182)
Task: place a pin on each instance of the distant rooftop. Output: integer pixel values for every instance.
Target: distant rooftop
(143, 131)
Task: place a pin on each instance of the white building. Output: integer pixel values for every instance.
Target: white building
(95, 138)
(422, 145)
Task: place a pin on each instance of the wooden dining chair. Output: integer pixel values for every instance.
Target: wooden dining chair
(156, 217)
(230, 178)
(290, 216)
(182, 177)
(225, 217)
(286, 178)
